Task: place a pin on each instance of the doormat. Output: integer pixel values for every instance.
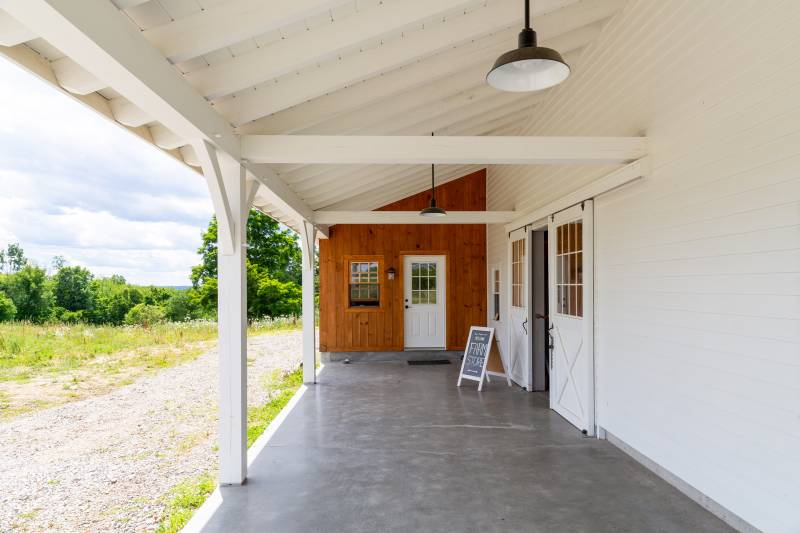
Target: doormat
(430, 362)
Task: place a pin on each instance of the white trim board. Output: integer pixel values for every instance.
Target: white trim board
(727, 516)
(631, 172)
(411, 217)
(453, 150)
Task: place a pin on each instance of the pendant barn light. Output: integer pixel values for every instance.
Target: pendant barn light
(432, 210)
(529, 67)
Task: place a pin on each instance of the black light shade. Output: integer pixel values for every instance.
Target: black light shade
(529, 67)
(433, 211)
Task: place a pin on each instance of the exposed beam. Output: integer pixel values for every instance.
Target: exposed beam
(281, 196)
(392, 54)
(412, 217)
(622, 176)
(230, 23)
(314, 46)
(419, 150)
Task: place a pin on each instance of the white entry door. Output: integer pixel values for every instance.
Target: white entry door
(425, 297)
(571, 323)
(519, 325)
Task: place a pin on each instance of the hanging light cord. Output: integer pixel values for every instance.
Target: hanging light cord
(527, 14)
(433, 186)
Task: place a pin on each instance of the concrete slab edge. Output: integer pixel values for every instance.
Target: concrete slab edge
(715, 508)
(204, 513)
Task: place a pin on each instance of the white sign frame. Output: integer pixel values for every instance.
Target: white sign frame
(482, 377)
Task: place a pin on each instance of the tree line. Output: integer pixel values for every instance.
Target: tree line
(73, 294)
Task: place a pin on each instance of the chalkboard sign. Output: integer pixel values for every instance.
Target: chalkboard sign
(476, 354)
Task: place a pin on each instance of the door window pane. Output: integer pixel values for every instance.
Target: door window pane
(518, 273)
(569, 269)
(423, 283)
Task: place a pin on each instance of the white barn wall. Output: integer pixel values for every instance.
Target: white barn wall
(698, 267)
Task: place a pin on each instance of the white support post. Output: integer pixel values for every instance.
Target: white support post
(307, 235)
(232, 324)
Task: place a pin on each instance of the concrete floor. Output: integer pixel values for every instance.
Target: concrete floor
(387, 447)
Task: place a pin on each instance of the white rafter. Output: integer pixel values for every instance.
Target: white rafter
(316, 45)
(384, 88)
(230, 23)
(331, 76)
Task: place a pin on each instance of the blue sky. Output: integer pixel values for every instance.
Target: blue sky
(74, 184)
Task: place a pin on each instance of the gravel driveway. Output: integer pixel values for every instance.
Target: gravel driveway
(104, 464)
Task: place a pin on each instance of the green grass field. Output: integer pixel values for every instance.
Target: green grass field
(46, 365)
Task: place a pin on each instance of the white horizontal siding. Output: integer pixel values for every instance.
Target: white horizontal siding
(698, 267)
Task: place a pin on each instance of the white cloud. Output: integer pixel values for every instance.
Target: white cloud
(74, 184)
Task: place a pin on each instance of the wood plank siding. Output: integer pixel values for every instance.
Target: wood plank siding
(381, 329)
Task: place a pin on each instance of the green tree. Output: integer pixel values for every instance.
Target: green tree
(112, 299)
(180, 307)
(15, 259)
(7, 308)
(30, 291)
(273, 251)
(144, 315)
(58, 262)
(72, 288)
(267, 296)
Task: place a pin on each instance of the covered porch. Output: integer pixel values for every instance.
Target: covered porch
(385, 446)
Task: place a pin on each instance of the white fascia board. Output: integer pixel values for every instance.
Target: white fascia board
(419, 150)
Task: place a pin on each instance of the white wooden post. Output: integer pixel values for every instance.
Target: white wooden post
(307, 235)
(230, 194)
(232, 324)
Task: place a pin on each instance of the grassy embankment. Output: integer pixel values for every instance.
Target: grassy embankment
(46, 365)
(186, 497)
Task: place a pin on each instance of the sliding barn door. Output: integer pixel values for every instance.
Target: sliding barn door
(571, 322)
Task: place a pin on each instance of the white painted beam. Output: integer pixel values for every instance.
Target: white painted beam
(413, 150)
(307, 241)
(12, 32)
(230, 23)
(412, 217)
(315, 46)
(622, 176)
(165, 138)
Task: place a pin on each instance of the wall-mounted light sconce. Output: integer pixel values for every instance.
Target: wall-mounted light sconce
(390, 273)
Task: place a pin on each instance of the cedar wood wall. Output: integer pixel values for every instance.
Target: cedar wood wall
(342, 329)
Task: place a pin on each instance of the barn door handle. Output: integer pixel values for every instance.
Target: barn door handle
(523, 325)
(550, 345)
